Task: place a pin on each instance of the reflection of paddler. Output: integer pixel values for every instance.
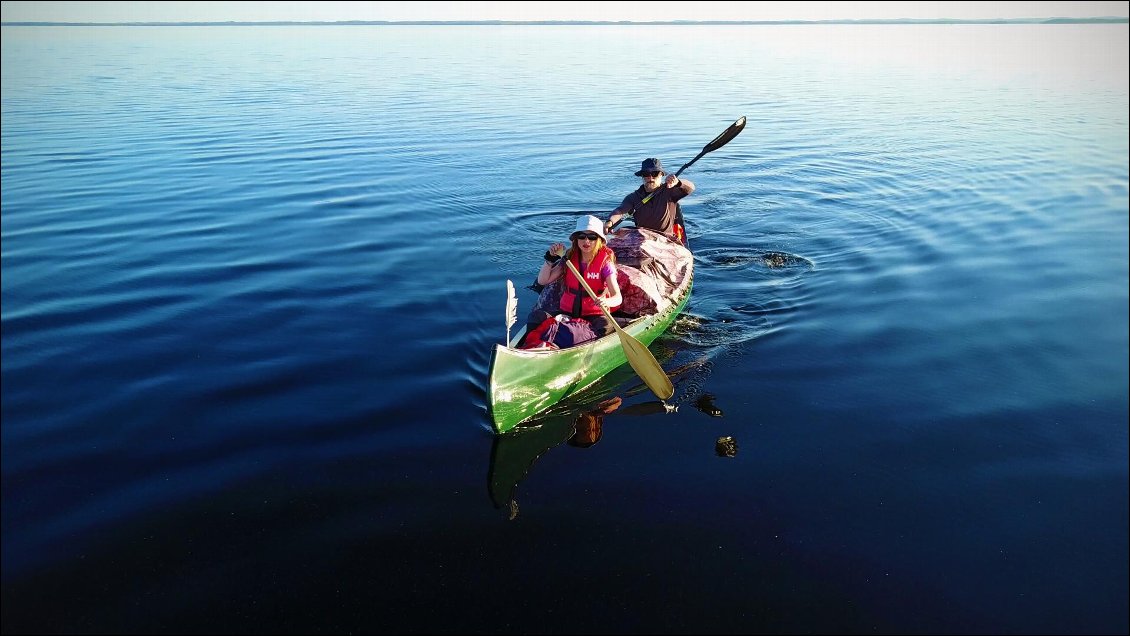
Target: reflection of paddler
(590, 424)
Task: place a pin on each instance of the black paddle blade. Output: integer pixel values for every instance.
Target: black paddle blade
(719, 141)
(726, 136)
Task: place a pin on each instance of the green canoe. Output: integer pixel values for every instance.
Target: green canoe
(524, 383)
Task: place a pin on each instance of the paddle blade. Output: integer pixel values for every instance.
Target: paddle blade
(511, 309)
(646, 366)
(726, 136)
(511, 304)
(719, 141)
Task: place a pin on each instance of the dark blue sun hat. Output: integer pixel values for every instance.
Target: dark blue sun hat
(651, 164)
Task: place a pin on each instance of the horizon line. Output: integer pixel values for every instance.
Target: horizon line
(865, 21)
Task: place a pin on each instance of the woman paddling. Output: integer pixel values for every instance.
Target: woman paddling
(597, 263)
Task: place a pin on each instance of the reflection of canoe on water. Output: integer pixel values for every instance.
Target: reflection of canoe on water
(514, 454)
(655, 276)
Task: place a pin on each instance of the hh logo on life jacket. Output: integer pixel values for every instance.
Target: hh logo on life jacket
(592, 275)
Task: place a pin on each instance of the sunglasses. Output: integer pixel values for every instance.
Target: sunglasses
(653, 173)
(587, 237)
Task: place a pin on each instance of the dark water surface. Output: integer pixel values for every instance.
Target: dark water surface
(252, 277)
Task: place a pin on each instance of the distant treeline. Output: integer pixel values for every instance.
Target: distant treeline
(1104, 20)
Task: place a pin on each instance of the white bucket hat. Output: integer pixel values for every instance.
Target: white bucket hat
(589, 223)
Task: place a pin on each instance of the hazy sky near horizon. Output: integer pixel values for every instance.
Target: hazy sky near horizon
(325, 11)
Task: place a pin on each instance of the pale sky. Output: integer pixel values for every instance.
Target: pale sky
(322, 11)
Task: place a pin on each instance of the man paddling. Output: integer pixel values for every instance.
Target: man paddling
(655, 205)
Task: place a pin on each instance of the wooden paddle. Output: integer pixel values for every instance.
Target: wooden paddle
(645, 364)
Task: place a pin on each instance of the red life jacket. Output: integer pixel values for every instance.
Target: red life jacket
(574, 300)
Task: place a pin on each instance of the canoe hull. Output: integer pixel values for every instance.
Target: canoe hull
(524, 383)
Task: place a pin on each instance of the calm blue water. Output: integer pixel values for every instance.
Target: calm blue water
(252, 277)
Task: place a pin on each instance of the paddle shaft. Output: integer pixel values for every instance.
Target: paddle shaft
(643, 363)
(591, 294)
